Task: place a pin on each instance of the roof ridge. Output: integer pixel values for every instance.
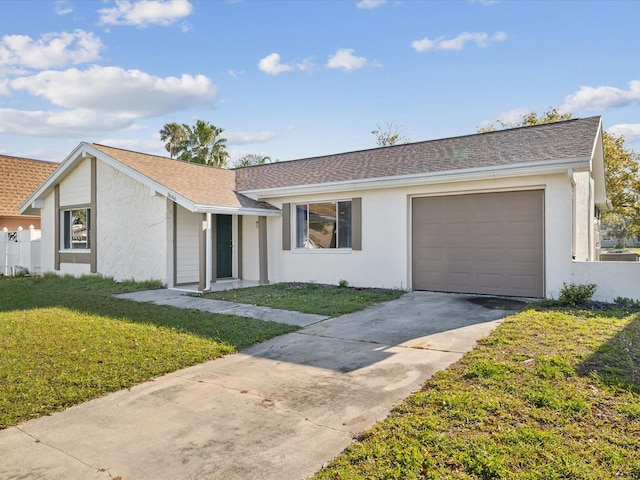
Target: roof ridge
(158, 156)
(405, 145)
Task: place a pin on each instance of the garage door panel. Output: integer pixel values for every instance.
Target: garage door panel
(479, 243)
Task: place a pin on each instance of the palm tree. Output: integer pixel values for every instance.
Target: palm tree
(176, 136)
(200, 143)
(218, 153)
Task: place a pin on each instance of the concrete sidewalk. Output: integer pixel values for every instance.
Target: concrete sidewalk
(277, 410)
(180, 299)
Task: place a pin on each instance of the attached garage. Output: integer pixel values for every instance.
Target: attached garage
(488, 243)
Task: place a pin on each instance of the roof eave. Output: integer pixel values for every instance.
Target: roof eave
(465, 175)
(34, 202)
(222, 210)
(599, 175)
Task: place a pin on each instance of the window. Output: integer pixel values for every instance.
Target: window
(74, 231)
(323, 225)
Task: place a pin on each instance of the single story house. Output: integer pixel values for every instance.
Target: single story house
(19, 177)
(504, 212)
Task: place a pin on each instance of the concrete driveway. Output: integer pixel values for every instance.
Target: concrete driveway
(277, 410)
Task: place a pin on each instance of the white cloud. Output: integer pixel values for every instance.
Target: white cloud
(486, 3)
(62, 7)
(102, 99)
(306, 65)
(630, 131)
(370, 4)
(4, 87)
(52, 50)
(243, 138)
(113, 89)
(345, 59)
(145, 12)
(271, 65)
(457, 43)
(513, 116)
(66, 123)
(602, 98)
(235, 73)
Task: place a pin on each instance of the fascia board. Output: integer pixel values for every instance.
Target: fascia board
(472, 174)
(58, 174)
(598, 169)
(159, 188)
(236, 211)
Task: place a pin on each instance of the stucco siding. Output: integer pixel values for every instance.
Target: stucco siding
(583, 206)
(75, 269)
(385, 259)
(75, 188)
(613, 279)
(132, 229)
(188, 226)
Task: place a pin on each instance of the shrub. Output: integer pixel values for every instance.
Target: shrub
(576, 294)
(343, 283)
(626, 302)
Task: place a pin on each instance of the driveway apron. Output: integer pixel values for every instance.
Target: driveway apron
(278, 410)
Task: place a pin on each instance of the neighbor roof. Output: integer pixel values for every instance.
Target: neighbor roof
(202, 185)
(569, 139)
(19, 177)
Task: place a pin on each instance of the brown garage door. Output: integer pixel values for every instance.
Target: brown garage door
(490, 243)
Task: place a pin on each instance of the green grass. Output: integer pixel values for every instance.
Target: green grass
(64, 341)
(330, 300)
(551, 394)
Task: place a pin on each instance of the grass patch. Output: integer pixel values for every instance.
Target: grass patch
(550, 394)
(329, 300)
(65, 340)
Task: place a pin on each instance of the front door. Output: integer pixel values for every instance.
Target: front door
(224, 251)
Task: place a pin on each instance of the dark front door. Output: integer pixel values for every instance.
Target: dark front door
(224, 247)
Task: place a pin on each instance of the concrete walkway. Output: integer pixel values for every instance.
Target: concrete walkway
(277, 410)
(179, 299)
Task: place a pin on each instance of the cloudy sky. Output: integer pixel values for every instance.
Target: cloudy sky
(293, 79)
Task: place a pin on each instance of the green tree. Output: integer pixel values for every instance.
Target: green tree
(621, 172)
(389, 135)
(201, 143)
(175, 135)
(252, 159)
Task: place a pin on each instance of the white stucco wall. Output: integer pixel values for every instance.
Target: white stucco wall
(385, 258)
(132, 231)
(613, 279)
(584, 208)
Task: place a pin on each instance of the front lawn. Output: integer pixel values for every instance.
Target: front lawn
(65, 340)
(329, 300)
(551, 394)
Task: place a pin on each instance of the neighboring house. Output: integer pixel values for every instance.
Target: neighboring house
(504, 212)
(19, 177)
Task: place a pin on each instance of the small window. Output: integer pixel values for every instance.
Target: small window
(75, 227)
(323, 225)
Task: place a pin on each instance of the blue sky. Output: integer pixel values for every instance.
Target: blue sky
(294, 79)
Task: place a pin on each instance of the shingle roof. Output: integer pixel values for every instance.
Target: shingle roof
(563, 140)
(200, 184)
(19, 177)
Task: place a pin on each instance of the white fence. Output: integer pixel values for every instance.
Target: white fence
(20, 250)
